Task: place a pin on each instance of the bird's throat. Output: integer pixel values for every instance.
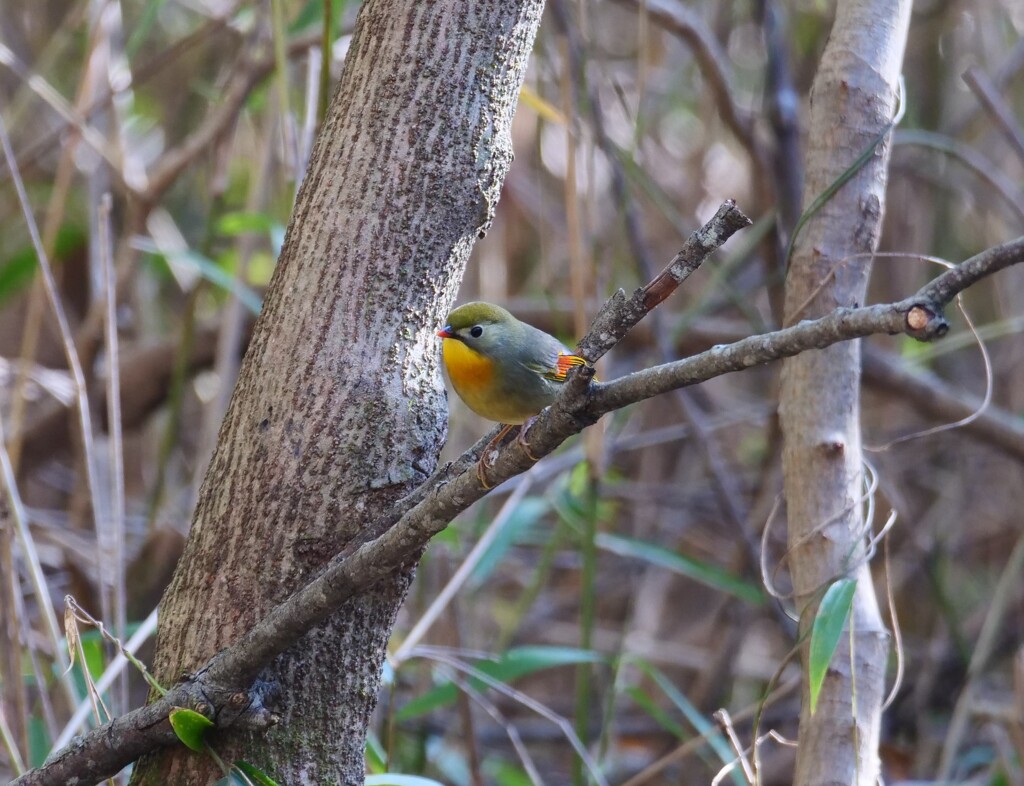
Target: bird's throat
(467, 368)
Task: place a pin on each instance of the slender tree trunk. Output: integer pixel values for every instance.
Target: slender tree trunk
(853, 99)
(339, 409)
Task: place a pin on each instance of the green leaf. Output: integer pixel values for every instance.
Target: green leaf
(17, 271)
(703, 572)
(574, 499)
(913, 350)
(505, 774)
(516, 530)
(514, 664)
(828, 626)
(144, 26)
(39, 740)
(449, 536)
(312, 15)
(376, 755)
(243, 223)
(95, 659)
(219, 277)
(661, 717)
(521, 661)
(190, 727)
(255, 774)
(705, 728)
(579, 480)
(441, 696)
(209, 270)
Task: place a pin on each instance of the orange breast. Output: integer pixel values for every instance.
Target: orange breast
(472, 376)
(466, 367)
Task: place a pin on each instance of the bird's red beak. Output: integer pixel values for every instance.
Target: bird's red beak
(446, 332)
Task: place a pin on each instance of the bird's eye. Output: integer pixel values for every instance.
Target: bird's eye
(476, 331)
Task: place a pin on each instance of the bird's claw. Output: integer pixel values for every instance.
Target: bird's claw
(485, 457)
(521, 439)
(481, 474)
(485, 461)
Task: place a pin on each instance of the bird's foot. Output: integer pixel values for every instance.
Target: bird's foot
(481, 475)
(521, 439)
(485, 461)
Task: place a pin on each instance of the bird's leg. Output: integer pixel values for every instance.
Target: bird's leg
(485, 457)
(481, 477)
(521, 439)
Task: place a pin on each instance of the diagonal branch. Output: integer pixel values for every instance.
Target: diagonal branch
(223, 688)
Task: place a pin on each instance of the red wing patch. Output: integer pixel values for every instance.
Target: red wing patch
(562, 366)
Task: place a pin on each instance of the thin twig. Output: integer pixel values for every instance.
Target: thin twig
(117, 516)
(115, 668)
(1005, 592)
(586, 95)
(724, 722)
(969, 157)
(692, 745)
(10, 744)
(59, 104)
(40, 146)
(17, 509)
(685, 23)
(988, 94)
(510, 728)
(64, 328)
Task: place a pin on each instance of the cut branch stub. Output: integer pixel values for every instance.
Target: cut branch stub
(925, 322)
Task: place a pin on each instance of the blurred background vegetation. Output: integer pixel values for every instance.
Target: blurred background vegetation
(615, 596)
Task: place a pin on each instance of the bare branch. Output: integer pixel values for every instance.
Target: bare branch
(988, 94)
(222, 689)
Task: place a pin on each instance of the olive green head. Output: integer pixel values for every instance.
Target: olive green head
(483, 327)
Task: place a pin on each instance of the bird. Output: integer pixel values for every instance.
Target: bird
(504, 369)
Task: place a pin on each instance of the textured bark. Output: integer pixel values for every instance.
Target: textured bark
(852, 100)
(339, 409)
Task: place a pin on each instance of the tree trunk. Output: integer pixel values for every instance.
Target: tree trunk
(853, 99)
(339, 408)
